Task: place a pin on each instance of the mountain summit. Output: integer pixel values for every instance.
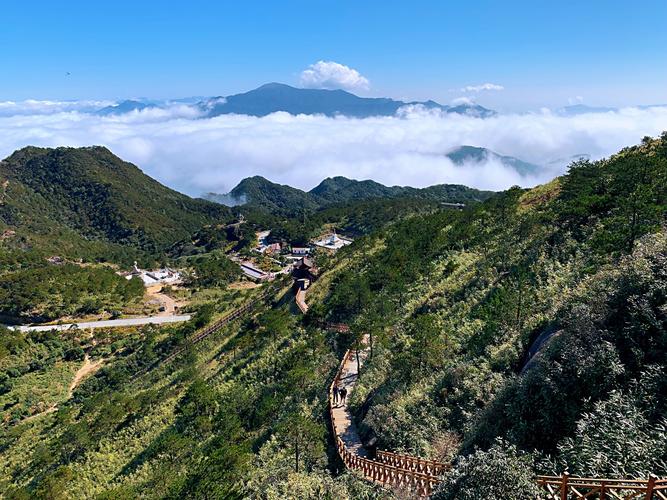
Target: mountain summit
(273, 97)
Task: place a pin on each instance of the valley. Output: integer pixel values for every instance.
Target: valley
(488, 341)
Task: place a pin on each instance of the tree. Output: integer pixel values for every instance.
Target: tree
(429, 344)
(303, 437)
(616, 439)
(197, 408)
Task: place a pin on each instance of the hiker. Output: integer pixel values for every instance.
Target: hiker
(343, 394)
(335, 394)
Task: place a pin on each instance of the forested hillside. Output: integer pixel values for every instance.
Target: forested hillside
(67, 196)
(525, 334)
(534, 323)
(286, 201)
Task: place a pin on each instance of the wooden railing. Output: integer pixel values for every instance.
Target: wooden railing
(387, 475)
(408, 462)
(213, 328)
(565, 487)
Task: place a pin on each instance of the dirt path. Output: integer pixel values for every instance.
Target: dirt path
(169, 304)
(87, 368)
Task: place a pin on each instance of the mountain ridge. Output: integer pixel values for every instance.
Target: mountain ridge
(95, 195)
(257, 191)
(273, 97)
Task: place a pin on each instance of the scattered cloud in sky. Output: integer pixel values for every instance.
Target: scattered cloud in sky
(483, 87)
(333, 75)
(197, 155)
(575, 100)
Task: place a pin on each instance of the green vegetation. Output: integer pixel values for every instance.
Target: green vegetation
(525, 334)
(35, 371)
(240, 415)
(212, 269)
(88, 193)
(49, 292)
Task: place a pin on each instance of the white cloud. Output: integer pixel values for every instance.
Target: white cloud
(332, 75)
(44, 107)
(202, 155)
(575, 100)
(462, 100)
(482, 87)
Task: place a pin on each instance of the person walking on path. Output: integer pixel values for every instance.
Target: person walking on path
(343, 395)
(335, 395)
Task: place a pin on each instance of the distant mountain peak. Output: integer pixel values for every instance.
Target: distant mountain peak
(273, 97)
(474, 154)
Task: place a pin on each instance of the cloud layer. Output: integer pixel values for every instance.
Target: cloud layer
(202, 155)
(332, 75)
(42, 107)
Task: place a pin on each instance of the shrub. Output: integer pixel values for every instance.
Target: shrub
(501, 472)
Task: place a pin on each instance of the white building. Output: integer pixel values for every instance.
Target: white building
(164, 276)
(333, 242)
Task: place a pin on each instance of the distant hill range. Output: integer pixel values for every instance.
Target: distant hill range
(471, 154)
(124, 107)
(77, 195)
(581, 109)
(274, 97)
(258, 192)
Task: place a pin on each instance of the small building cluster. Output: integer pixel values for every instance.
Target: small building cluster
(163, 276)
(254, 273)
(296, 260)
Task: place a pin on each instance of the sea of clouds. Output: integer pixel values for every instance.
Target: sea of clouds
(196, 155)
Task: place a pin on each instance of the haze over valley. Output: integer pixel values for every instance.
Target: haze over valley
(184, 146)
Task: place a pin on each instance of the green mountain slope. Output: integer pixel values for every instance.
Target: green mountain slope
(526, 334)
(89, 193)
(258, 192)
(518, 318)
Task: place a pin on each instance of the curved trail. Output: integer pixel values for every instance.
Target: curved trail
(341, 419)
(87, 368)
(403, 472)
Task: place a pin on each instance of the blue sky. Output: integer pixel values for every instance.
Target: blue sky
(542, 53)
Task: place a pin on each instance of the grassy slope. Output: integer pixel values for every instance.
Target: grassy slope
(455, 301)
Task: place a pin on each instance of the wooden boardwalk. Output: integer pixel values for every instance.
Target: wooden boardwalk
(341, 418)
(397, 471)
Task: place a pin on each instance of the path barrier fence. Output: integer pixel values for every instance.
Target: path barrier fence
(565, 487)
(214, 327)
(388, 469)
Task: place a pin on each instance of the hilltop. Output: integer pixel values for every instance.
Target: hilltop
(273, 97)
(89, 194)
(258, 192)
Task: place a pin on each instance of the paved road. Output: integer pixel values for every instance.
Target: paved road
(111, 323)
